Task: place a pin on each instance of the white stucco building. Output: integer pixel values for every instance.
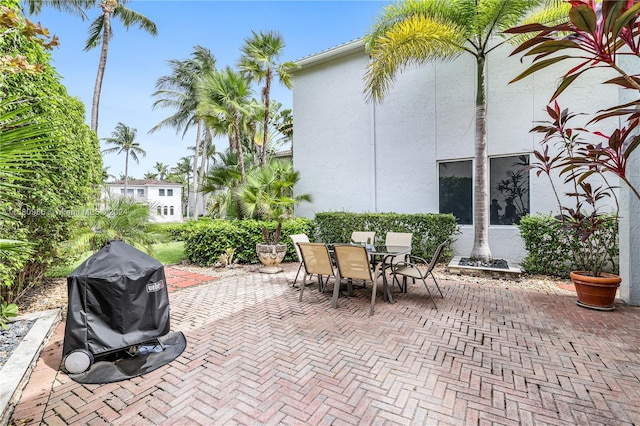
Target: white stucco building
(413, 153)
(164, 198)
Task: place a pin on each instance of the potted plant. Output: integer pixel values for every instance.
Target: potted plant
(589, 232)
(596, 35)
(267, 195)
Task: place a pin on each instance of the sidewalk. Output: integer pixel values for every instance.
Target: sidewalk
(256, 355)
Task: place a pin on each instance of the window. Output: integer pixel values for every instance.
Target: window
(140, 192)
(129, 191)
(161, 192)
(171, 211)
(169, 192)
(165, 210)
(456, 190)
(159, 211)
(509, 183)
(122, 191)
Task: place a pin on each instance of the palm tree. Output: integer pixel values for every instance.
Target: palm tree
(100, 32)
(150, 175)
(268, 195)
(421, 31)
(259, 62)
(225, 96)
(105, 173)
(179, 91)
(162, 169)
(123, 218)
(222, 182)
(22, 141)
(123, 138)
(183, 169)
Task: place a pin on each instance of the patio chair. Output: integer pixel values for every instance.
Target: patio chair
(316, 259)
(354, 264)
(403, 239)
(363, 236)
(298, 238)
(411, 269)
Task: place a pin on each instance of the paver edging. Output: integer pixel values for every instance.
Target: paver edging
(18, 368)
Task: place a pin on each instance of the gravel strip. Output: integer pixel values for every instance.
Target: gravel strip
(11, 338)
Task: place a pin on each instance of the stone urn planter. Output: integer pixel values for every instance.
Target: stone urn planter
(596, 292)
(271, 255)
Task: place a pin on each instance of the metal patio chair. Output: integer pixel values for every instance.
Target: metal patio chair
(363, 236)
(298, 238)
(403, 239)
(353, 264)
(412, 269)
(317, 260)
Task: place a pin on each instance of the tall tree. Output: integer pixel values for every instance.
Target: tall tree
(222, 183)
(260, 63)
(178, 91)
(123, 138)
(100, 32)
(226, 96)
(162, 169)
(183, 170)
(420, 31)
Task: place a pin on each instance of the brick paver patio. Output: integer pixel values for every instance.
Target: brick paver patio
(255, 355)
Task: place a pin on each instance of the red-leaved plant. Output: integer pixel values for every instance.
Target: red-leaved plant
(584, 228)
(596, 35)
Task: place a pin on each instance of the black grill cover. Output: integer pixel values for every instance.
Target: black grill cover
(117, 298)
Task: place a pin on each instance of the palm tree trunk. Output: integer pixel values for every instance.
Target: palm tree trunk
(196, 210)
(480, 248)
(238, 143)
(108, 7)
(265, 125)
(126, 171)
(203, 161)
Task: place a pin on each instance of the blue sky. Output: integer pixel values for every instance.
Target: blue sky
(136, 59)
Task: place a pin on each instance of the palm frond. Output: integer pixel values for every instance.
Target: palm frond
(130, 18)
(415, 40)
(95, 33)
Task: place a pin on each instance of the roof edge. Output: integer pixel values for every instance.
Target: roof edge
(331, 53)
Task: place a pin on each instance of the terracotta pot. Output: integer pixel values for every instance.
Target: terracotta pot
(596, 292)
(271, 255)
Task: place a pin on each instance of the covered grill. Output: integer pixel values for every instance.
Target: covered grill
(118, 300)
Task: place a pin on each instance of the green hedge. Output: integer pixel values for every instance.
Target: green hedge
(206, 239)
(550, 247)
(171, 231)
(429, 230)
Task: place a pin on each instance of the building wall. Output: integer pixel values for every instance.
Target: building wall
(155, 200)
(364, 157)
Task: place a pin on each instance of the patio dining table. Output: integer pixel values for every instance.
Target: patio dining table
(380, 256)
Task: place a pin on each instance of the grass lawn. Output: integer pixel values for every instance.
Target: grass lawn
(169, 253)
(166, 253)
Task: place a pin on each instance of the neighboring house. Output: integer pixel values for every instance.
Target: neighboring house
(413, 153)
(164, 198)
(286, 154)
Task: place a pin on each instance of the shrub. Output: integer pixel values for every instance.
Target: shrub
(429, 230)
(550, 246)
(44, 211)
(206, 240)
(169, 231)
